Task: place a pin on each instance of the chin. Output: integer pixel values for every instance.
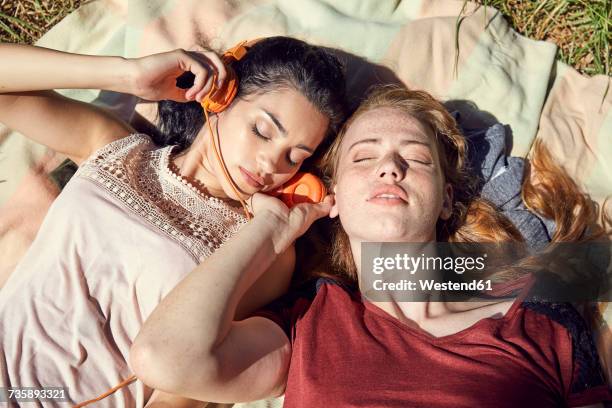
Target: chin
(229, 192)
(381, 233)
(390, 236)
(388, 220)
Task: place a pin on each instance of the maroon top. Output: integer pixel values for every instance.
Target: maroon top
(347, 352)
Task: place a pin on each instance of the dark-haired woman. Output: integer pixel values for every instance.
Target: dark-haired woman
(140, 214)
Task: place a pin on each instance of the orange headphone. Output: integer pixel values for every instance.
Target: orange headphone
(220, 98)
(302, 187)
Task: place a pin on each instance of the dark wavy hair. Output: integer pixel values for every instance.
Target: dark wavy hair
(270, 64)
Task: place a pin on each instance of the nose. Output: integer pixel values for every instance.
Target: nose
(392, 168)
(269, 162)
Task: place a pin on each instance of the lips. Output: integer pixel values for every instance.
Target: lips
(388, 193)
(251, 179)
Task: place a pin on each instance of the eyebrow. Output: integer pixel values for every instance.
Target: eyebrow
(377, 141)
(283, 131)
(276, 122)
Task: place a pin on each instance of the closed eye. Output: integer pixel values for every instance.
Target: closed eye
(427, 163)
(362, 159)
(257, 133)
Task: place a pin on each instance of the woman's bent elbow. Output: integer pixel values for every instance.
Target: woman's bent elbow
(145, 364)
(151, 366)
(167, 370)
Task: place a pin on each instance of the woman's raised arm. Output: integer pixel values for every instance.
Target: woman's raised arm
(190, 344)
(30, 68)
(27, 104)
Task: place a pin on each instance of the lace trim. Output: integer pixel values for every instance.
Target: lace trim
(136, 172)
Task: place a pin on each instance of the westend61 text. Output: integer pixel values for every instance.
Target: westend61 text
(429, 285)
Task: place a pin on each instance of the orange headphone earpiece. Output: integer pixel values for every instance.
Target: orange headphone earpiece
(220, 98)
(301, 188)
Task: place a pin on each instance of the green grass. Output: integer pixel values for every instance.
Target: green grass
(581, 28)
(25, 21)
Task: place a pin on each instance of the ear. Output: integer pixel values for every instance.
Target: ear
(333, 213)
(447, 202)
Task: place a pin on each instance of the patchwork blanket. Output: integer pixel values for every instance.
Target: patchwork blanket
(460, 52)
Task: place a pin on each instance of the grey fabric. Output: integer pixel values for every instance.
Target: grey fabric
(500, 180)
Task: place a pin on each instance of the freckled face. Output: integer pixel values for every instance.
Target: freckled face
(389, 184)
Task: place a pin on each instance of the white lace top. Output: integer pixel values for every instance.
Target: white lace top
(119, 237)
(137, 173)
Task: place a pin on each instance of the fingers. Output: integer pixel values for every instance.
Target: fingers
(303, 215)
(293, 222)
(206, 89)
(219, 67)
(201, 80)
(318, 210)
(220, 74)
(206, 66)
(260, 202)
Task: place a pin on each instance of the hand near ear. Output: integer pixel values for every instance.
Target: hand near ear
(295, 221)
(155, 75)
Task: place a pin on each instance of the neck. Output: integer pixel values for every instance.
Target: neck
(417, 312)
(195, 164)
(406, 264)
